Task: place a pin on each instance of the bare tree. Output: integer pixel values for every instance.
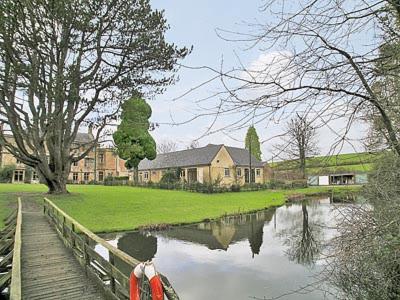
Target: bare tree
(64, 64)
(166, 146)
(194, 144)
(299, 142)
(305, 241)
(317, 59)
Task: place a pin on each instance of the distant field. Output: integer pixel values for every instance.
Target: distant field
(356, 162)
(105, 208)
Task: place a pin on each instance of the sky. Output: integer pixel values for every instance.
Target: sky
(195, 23)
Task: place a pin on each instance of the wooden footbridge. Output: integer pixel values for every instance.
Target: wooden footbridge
(46, 254)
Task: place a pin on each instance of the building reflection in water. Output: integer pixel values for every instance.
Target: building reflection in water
(215, 235)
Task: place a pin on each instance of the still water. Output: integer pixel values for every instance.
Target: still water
(264, 254)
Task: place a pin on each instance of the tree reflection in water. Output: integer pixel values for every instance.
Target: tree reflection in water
(303, 239)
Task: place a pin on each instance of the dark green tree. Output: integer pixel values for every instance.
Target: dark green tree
(252, 142)
(132, 137)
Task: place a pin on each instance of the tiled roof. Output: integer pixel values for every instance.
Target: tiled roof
(197, 157)
(241, 157)
(184, 158)
(83, 138)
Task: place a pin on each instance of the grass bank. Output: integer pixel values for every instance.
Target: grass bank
(107, 208)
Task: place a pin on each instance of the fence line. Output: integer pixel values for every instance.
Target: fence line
(104, 272)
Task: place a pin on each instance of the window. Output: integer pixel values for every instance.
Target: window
(18, 161)
(18, 175)
(146, 175)
(239, 172)
(35, 176)
(101, 158)
(87, 162)
(86, 176)
(227, 172)
(101, 175)
(75, 164)
(183, 173)
(75, 177)
(258, 172)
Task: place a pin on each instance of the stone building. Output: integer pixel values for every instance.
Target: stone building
(96, 166)
(209, 164)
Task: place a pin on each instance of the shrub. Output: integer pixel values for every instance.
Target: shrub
(6, 173)
(171, 176)
(235, 188)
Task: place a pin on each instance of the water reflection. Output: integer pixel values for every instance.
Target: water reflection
(266, 253)
(225, 231)
(303, 239)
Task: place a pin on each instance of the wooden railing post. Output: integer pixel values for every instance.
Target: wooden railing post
(15, 289)
(73, 242)
(112, 279)
(63, 228)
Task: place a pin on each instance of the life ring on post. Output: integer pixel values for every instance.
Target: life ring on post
(157, 292)
(136, 275)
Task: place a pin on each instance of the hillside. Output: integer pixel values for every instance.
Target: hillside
(351, 162)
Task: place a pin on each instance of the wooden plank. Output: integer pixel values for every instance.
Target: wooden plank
(6, 246)
(50, 270)
(5, 280)
(10, 218)
(6, 261)
(15, 289)
(9, 227)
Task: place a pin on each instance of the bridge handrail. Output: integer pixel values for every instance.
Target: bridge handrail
(15, 288)
(71, 231)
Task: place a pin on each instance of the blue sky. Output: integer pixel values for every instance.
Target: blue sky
(194, 23)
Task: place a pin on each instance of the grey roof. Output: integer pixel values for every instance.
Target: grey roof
(83, 138)
(197, 157)
(241, 157)
(184, 158)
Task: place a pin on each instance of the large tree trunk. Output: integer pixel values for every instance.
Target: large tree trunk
(55, 180)
(57, 186)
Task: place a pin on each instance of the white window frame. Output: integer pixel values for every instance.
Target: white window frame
(87, 162)
(258, 172)
(20, 175)
(146, 175)
(239, 172)
(227, 172)
(73, 177)
(84, 176)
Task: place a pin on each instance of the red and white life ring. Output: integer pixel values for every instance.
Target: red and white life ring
(157, 292)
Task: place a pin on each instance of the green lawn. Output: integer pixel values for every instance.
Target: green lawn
(106, 209)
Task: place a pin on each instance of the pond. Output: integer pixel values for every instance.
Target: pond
(264, 254)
